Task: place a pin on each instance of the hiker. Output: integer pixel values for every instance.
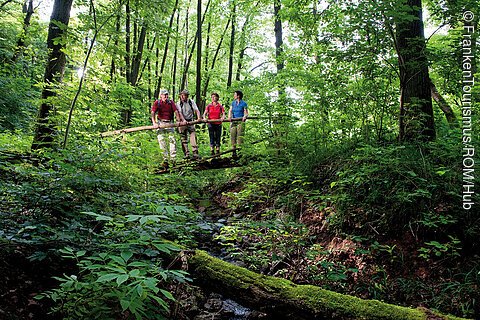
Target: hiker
(188, 108)
(163, 112)
(239, 109)
(214, 111)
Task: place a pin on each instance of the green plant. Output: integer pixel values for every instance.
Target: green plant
(112, 283)
(436, 249)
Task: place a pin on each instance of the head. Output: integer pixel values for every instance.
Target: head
(238, 95)
(184, 95)
(163, 95)
(215, 97)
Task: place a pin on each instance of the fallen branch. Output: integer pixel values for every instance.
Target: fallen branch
(171, 125)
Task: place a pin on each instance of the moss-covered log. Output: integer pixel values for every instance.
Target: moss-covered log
(283, 299)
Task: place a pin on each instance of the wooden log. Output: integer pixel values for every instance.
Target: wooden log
(169, 125)
(282, 299)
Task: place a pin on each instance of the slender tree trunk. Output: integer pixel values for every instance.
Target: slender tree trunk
(278, 36)
(416, 110)
(117, 31)
(207, 48)
(442, 103)
(241, 54)
(214, 60)
(137, 59)
(232, 46)
(175, 58)
(189, 59)
(165, 52)
(127, 41)
(45, 130)
(21, 40)
(198, 87)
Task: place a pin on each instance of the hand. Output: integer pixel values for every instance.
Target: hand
(155, 125)
(244, 119)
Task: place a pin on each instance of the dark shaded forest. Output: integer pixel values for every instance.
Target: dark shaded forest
(353, 195)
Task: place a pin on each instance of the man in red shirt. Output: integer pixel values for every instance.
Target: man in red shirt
(163, 112)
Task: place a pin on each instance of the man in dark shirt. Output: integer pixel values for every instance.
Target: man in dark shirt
(163, 112)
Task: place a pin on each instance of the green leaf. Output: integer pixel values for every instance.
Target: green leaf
(125, 304)
(118, 260)
(134, 273)
(167, 294)
(122, 278)
(126, 255)
(139, 290)
(107, 277)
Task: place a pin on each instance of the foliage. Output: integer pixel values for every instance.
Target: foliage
(398, 187)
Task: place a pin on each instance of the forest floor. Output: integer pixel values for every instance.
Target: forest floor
(388, 269)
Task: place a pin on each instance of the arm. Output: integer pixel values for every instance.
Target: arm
(153, 115)
(205, 114)
(230, 113)
(179, 116)
(223, 113)
(245, 114)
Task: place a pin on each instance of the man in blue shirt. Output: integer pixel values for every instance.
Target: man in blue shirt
(238, 110)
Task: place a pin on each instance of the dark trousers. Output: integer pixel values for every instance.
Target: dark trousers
(215, 133)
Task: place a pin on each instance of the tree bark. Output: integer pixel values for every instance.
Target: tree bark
(232, 45)
(21, 39)
(189, 58)
(282, 299)
(241, 54)
(416, 111)
(165, 52)
(442, 103)
(137, 59)
(214, 60)
(198, 87)
(45, 130)
(127, 41)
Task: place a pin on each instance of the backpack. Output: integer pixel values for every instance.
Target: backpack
(190, 102)
(168, 102)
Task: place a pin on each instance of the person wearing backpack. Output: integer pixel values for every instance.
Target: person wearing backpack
(239, 109)
(188, 108)
(214, 111)
(164, 111)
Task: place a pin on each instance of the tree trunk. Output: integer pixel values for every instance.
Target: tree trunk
(137, 59)
(21, 40)
(175, 58)
(189, 58)
(127, 42)
(444, 106)
(232, 46)
(198, 87)
(214, 60)
(45, 130)
(416, 111)
(241, 54)
(278, 36)
(165, 52)
(282, 299)
(117, 31)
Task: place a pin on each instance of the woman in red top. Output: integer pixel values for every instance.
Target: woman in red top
(212, 112)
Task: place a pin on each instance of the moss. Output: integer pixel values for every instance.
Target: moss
(309, 300)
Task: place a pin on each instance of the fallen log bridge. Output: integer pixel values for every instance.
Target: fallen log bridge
(282, 299)
(170, 125)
